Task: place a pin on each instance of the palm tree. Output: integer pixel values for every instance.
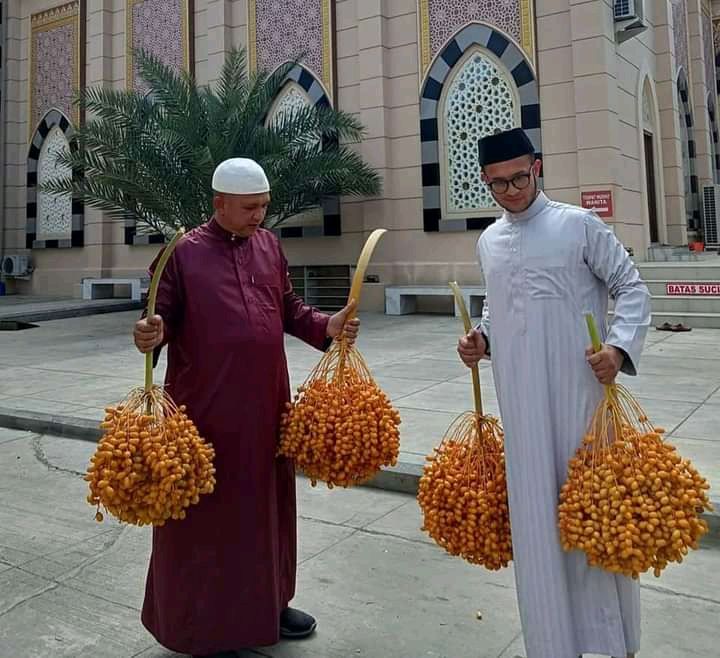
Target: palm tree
(151, 156)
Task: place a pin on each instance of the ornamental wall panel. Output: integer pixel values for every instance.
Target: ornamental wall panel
(680, 35)
(162, 28)
(281, 30)
(56, 62)
(708, 50)
(440, 20)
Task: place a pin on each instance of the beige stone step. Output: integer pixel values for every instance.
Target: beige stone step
(692, 304)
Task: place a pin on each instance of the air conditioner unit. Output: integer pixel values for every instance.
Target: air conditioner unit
(626, 10)
(15, 266)
(711, 214)
(629, 19)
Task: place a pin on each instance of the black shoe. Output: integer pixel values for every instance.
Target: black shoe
(296, 624)
(222, 654)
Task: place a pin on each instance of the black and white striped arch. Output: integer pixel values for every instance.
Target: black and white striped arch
(687, 117)
(331, 207)
(714, 137)
(514, 61)
(331, 225)
(52, 119)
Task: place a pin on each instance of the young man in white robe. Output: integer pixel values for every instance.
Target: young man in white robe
(546, 264)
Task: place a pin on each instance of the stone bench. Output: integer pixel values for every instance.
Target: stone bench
(104, 288)
(402, 300)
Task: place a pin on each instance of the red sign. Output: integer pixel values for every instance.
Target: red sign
(600, 201)
(693, 288)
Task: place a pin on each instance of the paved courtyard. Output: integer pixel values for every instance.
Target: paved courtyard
(76, 367)
(72, 588)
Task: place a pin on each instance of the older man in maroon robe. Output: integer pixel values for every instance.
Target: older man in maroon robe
(221, 579)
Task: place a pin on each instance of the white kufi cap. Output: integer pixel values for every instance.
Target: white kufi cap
(240, 176)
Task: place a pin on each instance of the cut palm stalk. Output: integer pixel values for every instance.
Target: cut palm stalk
(477, 394)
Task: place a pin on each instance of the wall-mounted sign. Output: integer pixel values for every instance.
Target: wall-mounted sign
(601, 201)
(693, 288)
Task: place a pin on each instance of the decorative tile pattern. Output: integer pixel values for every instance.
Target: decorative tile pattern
(447, 16)
(291, 100)
(160, 28)
(285, 28)
(440, 20)
(648, 119)
(54, 211)
(709, 52)
(480, 102)
(516, 72)
(281, 30)
(680, 34)
(55, 62)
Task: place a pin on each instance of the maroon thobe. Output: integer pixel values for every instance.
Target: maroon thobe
(219, 579)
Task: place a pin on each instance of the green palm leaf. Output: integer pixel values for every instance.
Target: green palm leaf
(150, 156)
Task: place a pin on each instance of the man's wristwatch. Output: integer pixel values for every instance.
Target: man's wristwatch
(487, 343)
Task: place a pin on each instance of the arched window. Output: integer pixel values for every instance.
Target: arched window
(714, 137)
(291, 99)
(479, 83)
(480, 99)
(692, 202)
(54, 211)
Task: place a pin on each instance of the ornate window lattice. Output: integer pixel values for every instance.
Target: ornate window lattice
(54, 211)
(687, 167)
(480, 101)
(647, 112)
(292, 99)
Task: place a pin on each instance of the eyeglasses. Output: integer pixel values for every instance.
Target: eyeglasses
(519, 182)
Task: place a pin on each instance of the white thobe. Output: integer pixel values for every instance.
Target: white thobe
(544, 269)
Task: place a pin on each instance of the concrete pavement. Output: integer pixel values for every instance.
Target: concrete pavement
(72, 588)
(63, 373)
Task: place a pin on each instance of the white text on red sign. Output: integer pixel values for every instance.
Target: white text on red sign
(700, 289)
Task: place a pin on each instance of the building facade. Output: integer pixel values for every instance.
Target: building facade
(623, 113)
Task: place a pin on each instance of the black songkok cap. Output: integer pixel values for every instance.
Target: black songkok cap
(504, 146)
